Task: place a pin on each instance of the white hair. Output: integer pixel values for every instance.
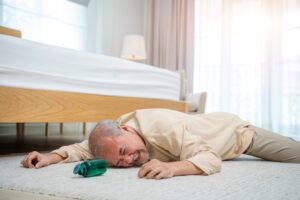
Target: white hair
(104, 128)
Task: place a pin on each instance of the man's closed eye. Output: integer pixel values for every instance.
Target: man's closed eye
(122, 151)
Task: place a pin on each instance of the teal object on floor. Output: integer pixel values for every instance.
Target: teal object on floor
(91, 168)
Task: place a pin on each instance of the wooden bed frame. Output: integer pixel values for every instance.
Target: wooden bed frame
(28, 105)
(10, 31)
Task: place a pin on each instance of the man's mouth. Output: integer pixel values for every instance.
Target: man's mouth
(140, 157)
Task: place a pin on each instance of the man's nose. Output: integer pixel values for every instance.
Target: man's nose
(128, 158)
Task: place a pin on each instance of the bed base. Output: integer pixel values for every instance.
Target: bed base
(19, 105)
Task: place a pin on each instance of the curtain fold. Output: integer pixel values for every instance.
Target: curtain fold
(247, 59)
(170, 35)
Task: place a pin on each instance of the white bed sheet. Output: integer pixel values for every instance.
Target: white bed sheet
(28, 64)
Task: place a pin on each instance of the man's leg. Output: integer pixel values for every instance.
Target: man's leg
(271, 146)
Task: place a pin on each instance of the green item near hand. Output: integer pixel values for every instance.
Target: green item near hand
(91, 168)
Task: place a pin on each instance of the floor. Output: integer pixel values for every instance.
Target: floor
(14, 195)
(12, 144)
(244, 178)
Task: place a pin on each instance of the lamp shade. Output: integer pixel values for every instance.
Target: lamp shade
(134, 48)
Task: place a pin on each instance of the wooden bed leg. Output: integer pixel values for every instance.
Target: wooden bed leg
(20, 129)
(61, 128)
(84, 128)
(46, 129)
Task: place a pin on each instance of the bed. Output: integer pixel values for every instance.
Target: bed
(44, 83)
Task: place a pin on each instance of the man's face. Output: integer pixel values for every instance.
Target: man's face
(126, 150)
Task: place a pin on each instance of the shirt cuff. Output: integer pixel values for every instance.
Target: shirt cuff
(65, 153)
(207, 162)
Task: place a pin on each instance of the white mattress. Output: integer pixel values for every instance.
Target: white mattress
(28, 64)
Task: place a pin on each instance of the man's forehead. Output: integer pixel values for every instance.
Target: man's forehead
(109, 144)
(111, 150)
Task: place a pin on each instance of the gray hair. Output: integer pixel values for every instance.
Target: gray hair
(104, 128)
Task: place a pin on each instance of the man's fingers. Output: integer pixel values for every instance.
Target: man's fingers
(29, 159)
(41, 162)
(35, 160)
(153, 172)
(147, 168)
(159, 176)
(38, 162)
(143, 172)
(26, 162)
(155, 169)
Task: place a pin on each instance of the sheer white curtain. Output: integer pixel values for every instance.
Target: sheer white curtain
(247, 57)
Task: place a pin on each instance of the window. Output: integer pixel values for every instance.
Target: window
(247, 57)
(56, 22)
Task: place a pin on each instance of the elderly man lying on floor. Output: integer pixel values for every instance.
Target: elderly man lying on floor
(168, 143)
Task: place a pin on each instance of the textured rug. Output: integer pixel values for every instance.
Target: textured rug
(244, 178)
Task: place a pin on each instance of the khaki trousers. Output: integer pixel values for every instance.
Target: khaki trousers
(274, 147)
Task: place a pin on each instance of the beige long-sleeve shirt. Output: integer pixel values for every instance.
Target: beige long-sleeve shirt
(203, 139)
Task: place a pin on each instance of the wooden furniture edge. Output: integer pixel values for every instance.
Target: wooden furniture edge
(10, 31)
(31, 105)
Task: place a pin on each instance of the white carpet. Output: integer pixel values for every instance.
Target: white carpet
(244, 178)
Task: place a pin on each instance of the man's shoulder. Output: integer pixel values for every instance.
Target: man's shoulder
(156, 111)
(221, 114)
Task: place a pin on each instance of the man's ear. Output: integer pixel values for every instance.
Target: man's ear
(123, 127)
(126, 128)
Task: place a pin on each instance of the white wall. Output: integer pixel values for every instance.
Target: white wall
(110, 20)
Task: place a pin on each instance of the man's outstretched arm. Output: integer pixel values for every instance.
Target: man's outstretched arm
(156, 169)
(37, 160)
(70, 153)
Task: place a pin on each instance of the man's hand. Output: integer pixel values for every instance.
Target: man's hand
(37, 160)
(156, 169)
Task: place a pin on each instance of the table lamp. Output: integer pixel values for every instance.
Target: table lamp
(134, 48)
